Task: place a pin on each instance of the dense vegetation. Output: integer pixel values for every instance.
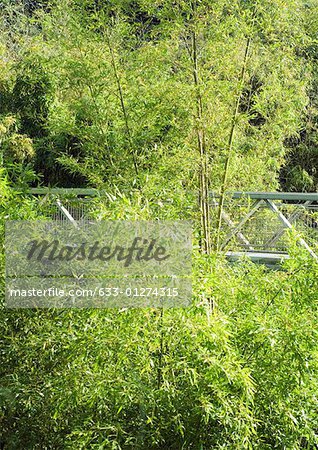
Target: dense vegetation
(105, 93)
(155, 102)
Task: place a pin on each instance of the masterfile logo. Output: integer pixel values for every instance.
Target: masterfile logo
(100, 265)
(109, 248)
(139, 250)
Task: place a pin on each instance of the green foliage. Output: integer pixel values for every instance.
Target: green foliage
(105, 94)
(299, 171)
(16, 153)
(106, 90)
(236, 370)
(30, 96)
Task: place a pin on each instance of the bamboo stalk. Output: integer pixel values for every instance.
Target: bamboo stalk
(122, 103)
(201, 140)
(160, 356)
(231, 139)
(98, 120)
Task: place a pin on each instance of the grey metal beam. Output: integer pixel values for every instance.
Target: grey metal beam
(231, 224)
(296, 196)
(287, 224)
(292, 196)
(292, 218)
(271, 260)
(66, 213)
(61, 191)
(256, 206)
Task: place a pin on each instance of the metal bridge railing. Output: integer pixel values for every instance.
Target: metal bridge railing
(252, 222)
(66, 205)
(258, 222)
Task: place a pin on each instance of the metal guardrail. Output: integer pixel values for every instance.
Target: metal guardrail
(82, 192)
(253, 223)
(256, 222)
(285, 196)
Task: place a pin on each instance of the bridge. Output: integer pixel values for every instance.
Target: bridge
(254, 224)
